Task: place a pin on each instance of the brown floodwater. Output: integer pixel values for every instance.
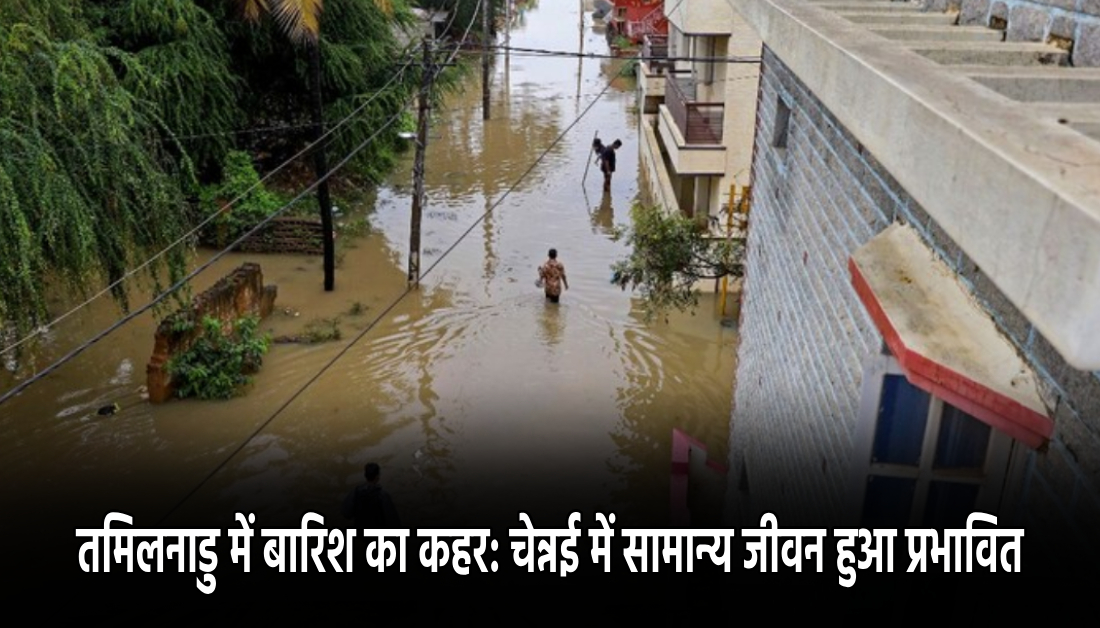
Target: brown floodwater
(478, 398)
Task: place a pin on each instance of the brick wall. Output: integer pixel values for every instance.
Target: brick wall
(284, 234)
(240, 293)
(1074, 23)
(805, 334)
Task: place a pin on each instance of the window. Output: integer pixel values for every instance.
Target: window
(782, 122)
(920, 462)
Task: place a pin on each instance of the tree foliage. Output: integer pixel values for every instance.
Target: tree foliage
(669, 254)
(239, 181)
(87, 187)
(114, 112)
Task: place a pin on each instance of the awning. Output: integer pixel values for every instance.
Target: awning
(943, 340)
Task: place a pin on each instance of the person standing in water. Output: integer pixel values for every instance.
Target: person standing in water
(552, 275)
(607, 163)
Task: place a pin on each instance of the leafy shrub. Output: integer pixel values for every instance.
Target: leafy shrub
(669, 253)
(239, 177)
(217, 364)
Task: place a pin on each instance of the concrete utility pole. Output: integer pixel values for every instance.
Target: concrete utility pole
(320, 166)
(486, 8)
(418, 167)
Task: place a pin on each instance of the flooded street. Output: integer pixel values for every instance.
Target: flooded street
(478, 398)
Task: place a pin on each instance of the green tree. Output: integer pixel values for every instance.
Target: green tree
(669, 254)
(112, 112)
(88, 187)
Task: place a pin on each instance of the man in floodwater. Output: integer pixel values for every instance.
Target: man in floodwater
(607, 163)
(369, 505)
(552, 275)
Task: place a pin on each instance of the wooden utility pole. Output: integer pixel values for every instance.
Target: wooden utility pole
(320, 165)
(418, 167)
(486, 7)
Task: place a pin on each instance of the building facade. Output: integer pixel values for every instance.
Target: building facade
(698, 108)
(919, 325)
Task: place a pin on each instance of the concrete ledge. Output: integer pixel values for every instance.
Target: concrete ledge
(1003, 53)
(943, 341)
(654, 166)
(1019, 193)
(896, 19)
(1046, 72)
(938, 32)
(1067, 112)
(868, 6)
(1045, 89)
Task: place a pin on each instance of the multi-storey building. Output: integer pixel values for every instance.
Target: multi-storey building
(920, 326)
(698, 108)
(922, 297)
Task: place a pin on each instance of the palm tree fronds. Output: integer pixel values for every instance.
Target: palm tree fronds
(299, 19)
(253, 9)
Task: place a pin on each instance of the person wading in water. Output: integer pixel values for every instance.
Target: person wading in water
(369, 505)
(607, 163)
(552, 277)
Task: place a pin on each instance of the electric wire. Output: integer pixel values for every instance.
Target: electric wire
(187, 236)
(176, 286)
(122, 321)
(543, 52)
(393, 304)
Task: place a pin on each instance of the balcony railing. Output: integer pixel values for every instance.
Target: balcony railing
(699, 122)
(655, 53)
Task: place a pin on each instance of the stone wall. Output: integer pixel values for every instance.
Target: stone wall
(805, 333)
(1070, 24)
(239, 294)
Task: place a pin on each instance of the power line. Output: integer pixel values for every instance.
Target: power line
(119, 323)
(394, 303)
(592, 55)
(187, 236)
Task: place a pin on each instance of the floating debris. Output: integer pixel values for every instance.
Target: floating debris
(109, 410)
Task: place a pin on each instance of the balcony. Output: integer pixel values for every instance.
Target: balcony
(691, 130)
(651, 78)
(699, 122)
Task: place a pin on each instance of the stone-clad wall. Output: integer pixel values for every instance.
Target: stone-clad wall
(805, 333)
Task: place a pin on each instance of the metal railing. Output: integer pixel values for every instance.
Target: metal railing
(655, 53)
(699, 122)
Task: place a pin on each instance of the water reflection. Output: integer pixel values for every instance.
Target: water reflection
(677, 379)
(474, 394)
(551, 320)
(603, 217)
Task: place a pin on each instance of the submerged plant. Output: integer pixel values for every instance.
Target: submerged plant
(669, 255)
(218, 364)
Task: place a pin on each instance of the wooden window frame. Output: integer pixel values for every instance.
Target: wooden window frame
(1001, 471)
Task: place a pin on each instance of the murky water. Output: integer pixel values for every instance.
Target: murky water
(478, 399)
